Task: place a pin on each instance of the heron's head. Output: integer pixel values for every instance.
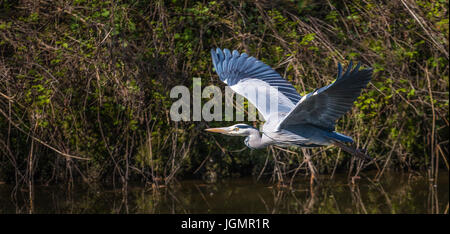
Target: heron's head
(235, 130)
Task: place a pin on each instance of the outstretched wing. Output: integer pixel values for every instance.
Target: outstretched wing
(256, 81)
(324, 106)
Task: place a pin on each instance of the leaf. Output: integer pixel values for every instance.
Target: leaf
(105, 13)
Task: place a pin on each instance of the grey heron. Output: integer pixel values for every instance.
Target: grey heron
(307, 121)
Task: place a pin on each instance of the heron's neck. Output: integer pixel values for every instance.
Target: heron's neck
(254, 140)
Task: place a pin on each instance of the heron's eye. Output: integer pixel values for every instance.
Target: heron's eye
(236, 129)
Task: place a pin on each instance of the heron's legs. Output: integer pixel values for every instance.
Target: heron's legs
(353, 151)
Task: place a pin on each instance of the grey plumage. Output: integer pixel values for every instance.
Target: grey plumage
(307, 121)
(243, 74)
(234, 68)
(324, 106)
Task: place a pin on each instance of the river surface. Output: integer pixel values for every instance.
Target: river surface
(394, 193)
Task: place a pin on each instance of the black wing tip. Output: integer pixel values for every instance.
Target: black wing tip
(352, 70)
(213, 53)
(218, 50)
(215, 50)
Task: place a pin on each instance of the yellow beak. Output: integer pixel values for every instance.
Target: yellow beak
(219, 130)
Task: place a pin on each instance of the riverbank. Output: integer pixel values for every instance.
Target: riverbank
(85, 85)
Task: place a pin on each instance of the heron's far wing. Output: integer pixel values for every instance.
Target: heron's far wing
(325, 105)
(255, 81)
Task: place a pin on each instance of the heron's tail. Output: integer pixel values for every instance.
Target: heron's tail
(360, 153)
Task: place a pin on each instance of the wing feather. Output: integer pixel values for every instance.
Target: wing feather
(324, 106)
(243, 73)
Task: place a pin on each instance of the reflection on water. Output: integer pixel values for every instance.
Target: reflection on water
(395, 193)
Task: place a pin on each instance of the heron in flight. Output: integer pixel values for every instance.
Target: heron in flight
(307, 121)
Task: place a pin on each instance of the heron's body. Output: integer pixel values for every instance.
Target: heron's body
(291, 120)
(302, 135)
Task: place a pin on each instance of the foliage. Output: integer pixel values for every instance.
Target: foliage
(91, 79)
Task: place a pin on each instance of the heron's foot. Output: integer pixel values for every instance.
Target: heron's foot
(362, 153)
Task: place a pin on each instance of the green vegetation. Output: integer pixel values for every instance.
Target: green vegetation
(84, 91)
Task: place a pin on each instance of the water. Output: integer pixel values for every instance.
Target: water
(394, 193)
